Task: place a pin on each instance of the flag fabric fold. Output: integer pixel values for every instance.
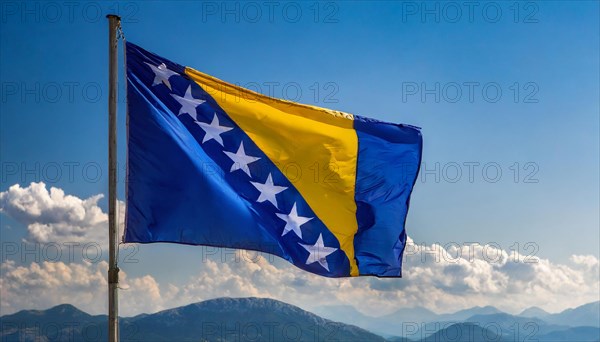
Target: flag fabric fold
(211, 163)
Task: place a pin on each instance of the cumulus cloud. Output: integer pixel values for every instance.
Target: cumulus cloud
(51, 215)
(463, 276)
(46, 284)
(479, 275)
(441, 278)
(438, 285)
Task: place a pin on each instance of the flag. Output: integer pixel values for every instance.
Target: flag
(211, 163)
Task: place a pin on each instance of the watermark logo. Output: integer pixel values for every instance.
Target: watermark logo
(452, 12)
(66, 11)
(469, 92)
(269, 12)
(327, 173)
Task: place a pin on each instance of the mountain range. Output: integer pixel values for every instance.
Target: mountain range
(221, 319)
(262, 319)
(418, 323)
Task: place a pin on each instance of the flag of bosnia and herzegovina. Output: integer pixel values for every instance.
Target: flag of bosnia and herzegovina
(211, 163)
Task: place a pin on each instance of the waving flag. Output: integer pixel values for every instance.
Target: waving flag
(210, 163)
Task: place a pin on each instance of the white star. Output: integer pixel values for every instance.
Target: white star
(213, 130)
(268, 190)
(162, 74)
(188, 103)
(318, 252)
(293, 221)
(241, 160)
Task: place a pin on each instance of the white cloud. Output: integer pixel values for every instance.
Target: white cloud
(487, 275)
(440, 286)
(52, 216)
(43, 285)
(47, 284)
(441, 279)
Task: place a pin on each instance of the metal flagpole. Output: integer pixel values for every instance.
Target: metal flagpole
(114, 22)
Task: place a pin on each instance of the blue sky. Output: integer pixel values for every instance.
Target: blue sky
(374, 59)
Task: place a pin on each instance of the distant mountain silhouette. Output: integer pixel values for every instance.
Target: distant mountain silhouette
(466, 313)
(423, 323)
(344, 313)
(402, 322)
(471, 332)
(465, 332)
(585, 315)
(579, 334)
(260, 319)
(515, 327)
(393, 324)
(222, 319)
(534, 311)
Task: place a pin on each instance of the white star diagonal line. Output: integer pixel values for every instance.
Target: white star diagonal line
(268, 191)
(293, 221)
(162, 74)
(241, 160)
(213, 130)
(318, 252)
(188, 103)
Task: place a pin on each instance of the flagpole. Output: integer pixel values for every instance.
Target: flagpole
(114, 22)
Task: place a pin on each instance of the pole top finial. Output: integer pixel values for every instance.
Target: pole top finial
(109, 16)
